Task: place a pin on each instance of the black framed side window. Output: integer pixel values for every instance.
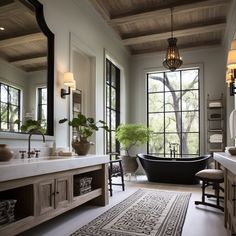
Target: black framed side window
(42, 106)
(10, 108)
(112, 105)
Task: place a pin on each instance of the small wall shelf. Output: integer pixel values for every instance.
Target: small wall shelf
(215, 124)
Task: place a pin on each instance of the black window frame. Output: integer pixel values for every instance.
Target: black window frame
(109, 86)
(181, 111)
(8, 104)
(40, 105)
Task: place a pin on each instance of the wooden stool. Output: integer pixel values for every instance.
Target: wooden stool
(211, 177)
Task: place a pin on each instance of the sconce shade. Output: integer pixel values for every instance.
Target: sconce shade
(232, 124)
(69, 82)
(233, 44)
(68, 79)
(231, 62)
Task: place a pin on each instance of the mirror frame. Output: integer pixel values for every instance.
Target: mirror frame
(50, 64)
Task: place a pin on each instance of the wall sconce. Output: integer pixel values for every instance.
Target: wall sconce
(69, 81)
(231, 68)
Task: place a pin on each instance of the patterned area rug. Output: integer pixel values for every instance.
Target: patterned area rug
(145, 212)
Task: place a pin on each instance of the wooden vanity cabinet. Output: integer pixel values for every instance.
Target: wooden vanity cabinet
(40, 198)
(230, 197)
(53, 194)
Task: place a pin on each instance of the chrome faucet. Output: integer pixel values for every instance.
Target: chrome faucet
(29, 139)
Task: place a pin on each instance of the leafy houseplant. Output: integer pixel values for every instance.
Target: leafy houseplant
(130, 135)
(85, 127)
(32, 126)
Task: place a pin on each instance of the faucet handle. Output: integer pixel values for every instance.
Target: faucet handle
(22, 154)
(37, 153)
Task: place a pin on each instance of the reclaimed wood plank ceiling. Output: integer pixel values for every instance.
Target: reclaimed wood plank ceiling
(21, 42)
(145, 25)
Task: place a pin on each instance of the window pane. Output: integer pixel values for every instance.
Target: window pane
(172, 101)
(13, 98)
(190, 142)
(190, 100)
(113, 75)
(13, 113)
(156, 122)
(4, 93)
(4, 112)
(108, 118)
(170, 121)
(172, 81)
(190, 79)
(113, 98)
(4, 126)
(156, 144)
(113, 120)
(155, 83)
(107, 96)
(156, 102)
(44, 96)
(113, 142)
(190, 122)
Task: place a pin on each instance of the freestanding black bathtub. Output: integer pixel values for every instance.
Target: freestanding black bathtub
(173, 170)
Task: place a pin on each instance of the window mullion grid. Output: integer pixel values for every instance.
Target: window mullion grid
(181, 118)
(147, 78)
(8, 107)
(164, 112)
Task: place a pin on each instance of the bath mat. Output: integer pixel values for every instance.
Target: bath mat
(145, 212)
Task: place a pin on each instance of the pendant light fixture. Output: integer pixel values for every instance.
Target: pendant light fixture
(173, 60)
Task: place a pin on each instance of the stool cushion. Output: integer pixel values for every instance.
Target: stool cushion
(211, 174)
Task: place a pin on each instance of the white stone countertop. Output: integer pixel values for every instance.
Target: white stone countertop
(21, 168)
(226, 160)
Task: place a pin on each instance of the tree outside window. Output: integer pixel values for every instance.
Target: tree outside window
(9, 108)
(173, 112)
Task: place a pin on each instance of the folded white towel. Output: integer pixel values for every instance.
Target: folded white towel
(215, 104)
(216, 136)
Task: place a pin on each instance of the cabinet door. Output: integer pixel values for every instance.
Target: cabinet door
(63, 193)
(46, 200)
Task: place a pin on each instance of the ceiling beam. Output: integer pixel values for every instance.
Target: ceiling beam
(30, 61)
(166, 11)
(198, 46)
(21, 39)
(177, 34)
(15, 7)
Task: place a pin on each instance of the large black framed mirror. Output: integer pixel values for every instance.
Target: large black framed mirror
(26, 66)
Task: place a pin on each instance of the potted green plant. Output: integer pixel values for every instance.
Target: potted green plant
(85, 127)
(131, 135)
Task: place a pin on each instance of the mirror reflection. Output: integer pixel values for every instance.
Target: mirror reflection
(23, 66)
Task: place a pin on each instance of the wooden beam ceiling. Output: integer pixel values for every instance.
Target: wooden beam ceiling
(143, 25)
(30, 61)
(21, 39)
(177, 34)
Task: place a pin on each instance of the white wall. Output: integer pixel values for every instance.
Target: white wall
(79, 18)
(212, 72)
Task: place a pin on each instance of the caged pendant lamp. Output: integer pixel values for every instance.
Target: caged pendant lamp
(173, 60)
